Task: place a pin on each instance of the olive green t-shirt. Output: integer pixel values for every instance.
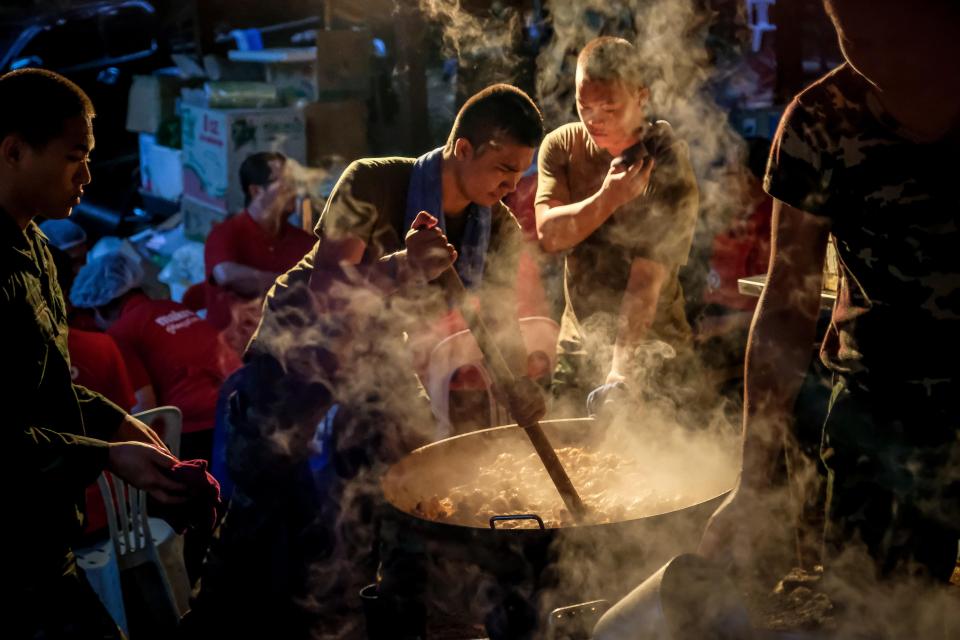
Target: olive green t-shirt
(369, 203)
(658, 226)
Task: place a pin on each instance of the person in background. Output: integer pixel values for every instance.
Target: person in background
(245, 253)
(171, 352)
(97, 364)
(860, 156)
(625, 224)
(70, 238)
(95, 359)
(57, 436)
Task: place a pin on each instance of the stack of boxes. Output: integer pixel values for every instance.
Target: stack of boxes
(324, 93)
(151, 113)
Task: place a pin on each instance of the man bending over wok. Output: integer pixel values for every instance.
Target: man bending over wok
(300, 528)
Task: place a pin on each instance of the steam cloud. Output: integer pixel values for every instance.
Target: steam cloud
(363, 330)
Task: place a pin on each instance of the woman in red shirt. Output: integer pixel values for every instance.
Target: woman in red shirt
(167, 348)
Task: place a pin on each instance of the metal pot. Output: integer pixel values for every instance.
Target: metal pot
(572, 563)
(687, 599)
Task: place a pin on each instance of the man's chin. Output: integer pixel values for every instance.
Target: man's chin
(58, 214)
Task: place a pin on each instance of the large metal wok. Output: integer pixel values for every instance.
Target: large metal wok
(570, 564)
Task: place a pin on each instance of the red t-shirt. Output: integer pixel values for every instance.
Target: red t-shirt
(242, 240)
(181, 355)
(96, 363)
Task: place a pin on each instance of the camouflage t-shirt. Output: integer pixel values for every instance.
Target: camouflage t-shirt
(894, 208)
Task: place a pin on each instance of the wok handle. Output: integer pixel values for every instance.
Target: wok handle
(520, 516)
(502, 375)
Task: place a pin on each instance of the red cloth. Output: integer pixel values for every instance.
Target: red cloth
(242, 240)
(181, 355)
(203, 498)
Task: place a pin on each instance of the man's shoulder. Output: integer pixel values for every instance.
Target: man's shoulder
(231, 224)
(500, 214)
(83, 342)
(661, 140)
(831, 100)
(377, 172)
(566, 136)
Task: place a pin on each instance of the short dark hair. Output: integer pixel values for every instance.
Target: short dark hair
(611, 59)
(499, 111)
(255, 170)
(35, 104)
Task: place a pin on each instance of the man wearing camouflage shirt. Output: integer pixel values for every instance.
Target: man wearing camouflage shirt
(861, 157)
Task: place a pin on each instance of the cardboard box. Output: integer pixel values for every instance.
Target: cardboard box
(161, 170)
(292, 70)
(343, 63)
(336, 128)
(198, 218)
(153, 100)
(216, 142)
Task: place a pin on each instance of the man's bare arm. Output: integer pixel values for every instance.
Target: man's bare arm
(780, 345)
(561, 226)
(779, 351)
(637, 312)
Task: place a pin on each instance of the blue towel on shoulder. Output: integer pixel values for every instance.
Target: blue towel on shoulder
(425, 193)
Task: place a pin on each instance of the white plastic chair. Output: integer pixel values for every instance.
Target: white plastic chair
(461, 350)
(168, 423)
(136, 539)
(450, 354)
(99, 564)
(758, 18)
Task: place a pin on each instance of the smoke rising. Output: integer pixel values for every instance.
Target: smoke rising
(489, 35)
(345, 339)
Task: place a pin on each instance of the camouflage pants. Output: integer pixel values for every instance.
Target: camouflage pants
(893, 481)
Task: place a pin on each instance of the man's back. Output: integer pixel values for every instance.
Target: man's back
(181, 353)
(893, 205)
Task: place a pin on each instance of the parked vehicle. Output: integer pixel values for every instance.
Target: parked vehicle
(100, 46)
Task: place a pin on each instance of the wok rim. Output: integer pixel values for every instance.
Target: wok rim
(386, 477)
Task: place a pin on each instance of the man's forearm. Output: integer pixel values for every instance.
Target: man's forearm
(636, 318)
(387, 275)
(565, 226)
(779, 352)
(638, 310)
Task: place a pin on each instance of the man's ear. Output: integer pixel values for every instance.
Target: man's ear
(254, 191)
(462, 149)
(11, 150)
(643, 96)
